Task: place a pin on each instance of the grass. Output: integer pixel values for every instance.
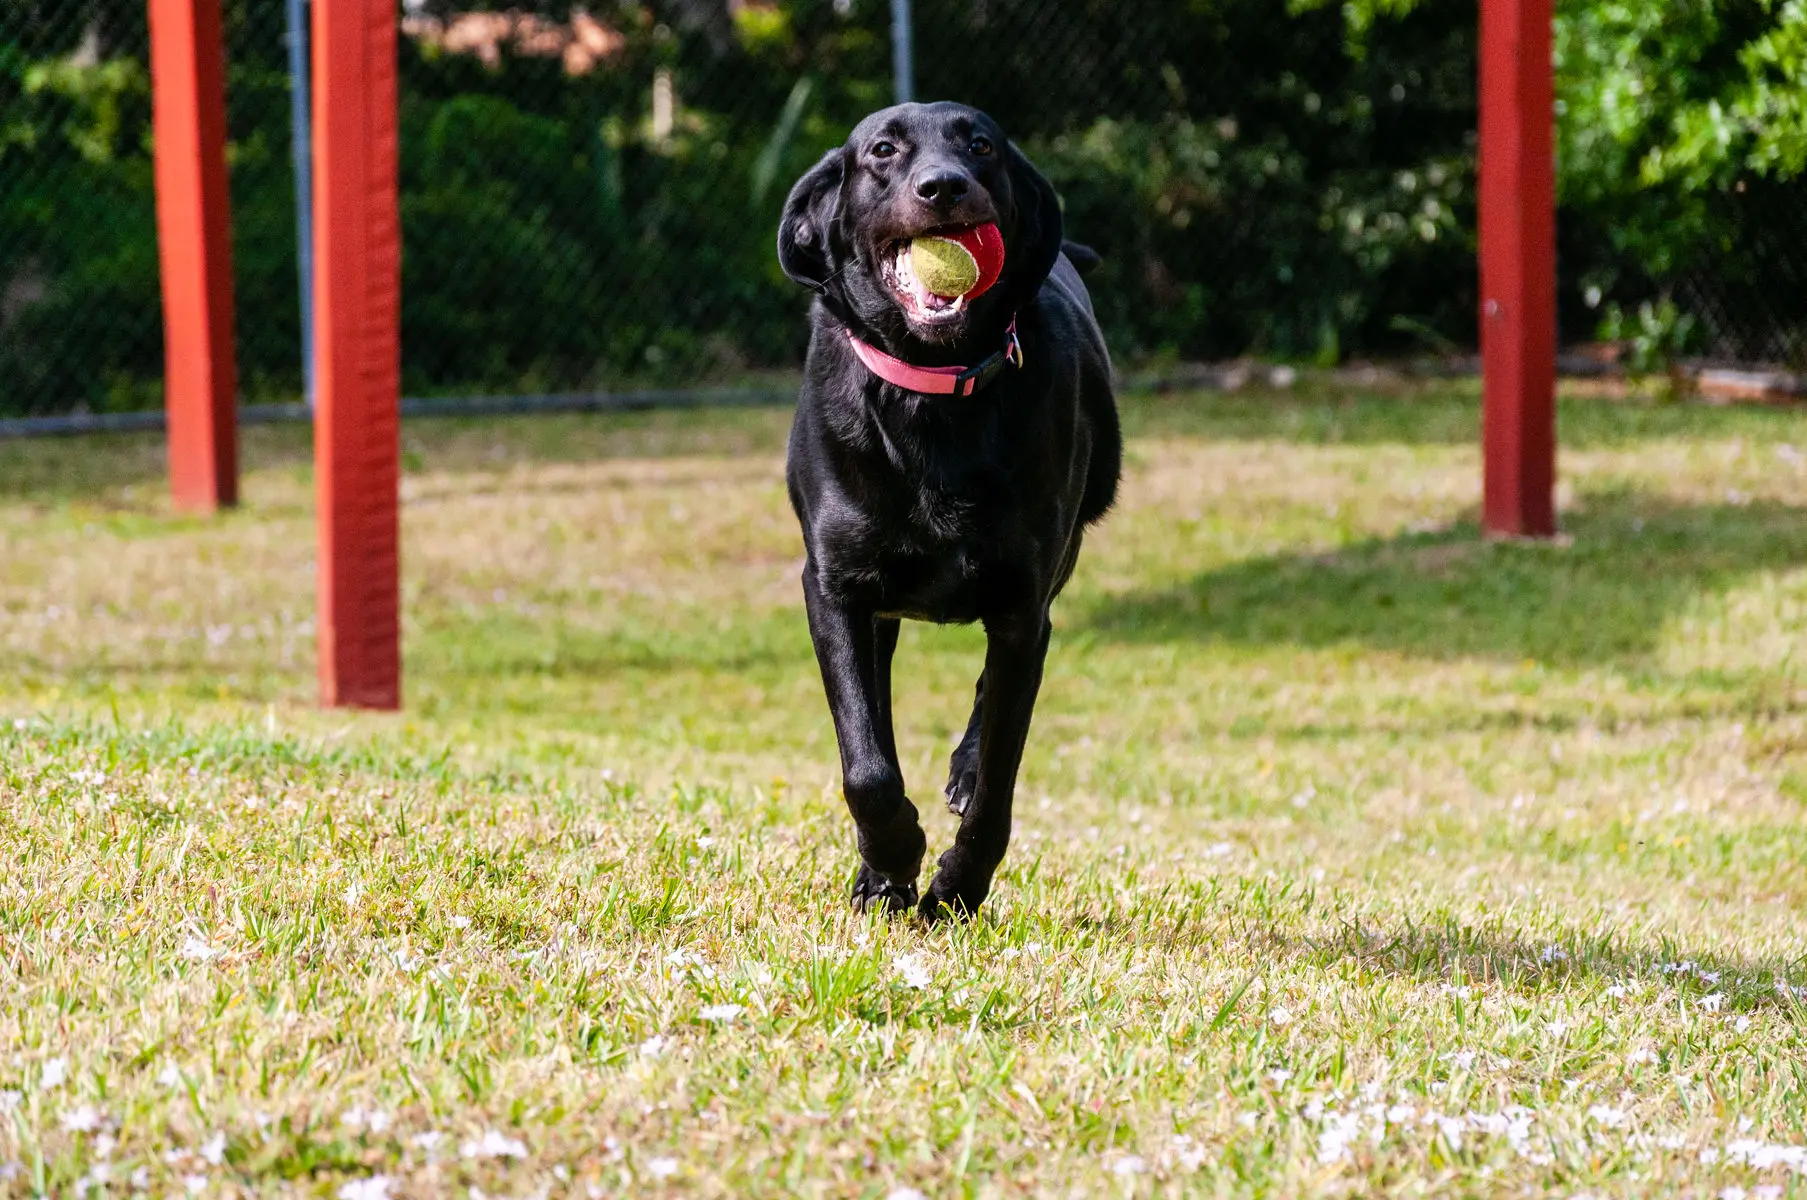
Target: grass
(1355, 854)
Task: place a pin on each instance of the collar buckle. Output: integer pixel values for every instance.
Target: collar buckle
(975, 377)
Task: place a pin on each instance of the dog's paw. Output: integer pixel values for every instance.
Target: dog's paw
(872, 892)
(962, 777)
(958, 889)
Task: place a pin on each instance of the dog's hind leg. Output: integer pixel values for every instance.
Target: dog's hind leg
(1014, 653)
(963, 764)
(890, 839)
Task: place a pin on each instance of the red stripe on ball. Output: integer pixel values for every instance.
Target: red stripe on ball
(986, 245)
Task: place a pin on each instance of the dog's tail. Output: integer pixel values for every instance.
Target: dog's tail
(1085, 260)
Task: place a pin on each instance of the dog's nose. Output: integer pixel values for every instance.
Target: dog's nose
(943, 188)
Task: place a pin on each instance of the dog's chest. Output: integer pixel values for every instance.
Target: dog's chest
(933, 550)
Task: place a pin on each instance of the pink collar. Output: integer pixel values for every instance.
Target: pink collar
(939, 381)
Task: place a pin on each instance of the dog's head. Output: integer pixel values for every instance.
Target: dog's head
(910, 170)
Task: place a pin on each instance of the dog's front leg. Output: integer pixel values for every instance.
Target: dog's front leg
(1014, 652)
(848, 647)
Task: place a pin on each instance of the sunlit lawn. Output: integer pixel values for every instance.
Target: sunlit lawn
(1354, 854)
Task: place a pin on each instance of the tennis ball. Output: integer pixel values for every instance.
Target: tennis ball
(963, 262)
(943, 266)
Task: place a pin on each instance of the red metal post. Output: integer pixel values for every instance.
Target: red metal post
(194, 245)
(357, 298)
(1518, 267)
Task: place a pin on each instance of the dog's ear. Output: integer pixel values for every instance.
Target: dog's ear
(1038, 227)
(808, 221)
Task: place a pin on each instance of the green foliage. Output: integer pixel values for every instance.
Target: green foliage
(1655, 336)
(1666, 112)
(78, 255)
(1297, 183)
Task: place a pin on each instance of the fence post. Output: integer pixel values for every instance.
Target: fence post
(357, 294)
(903, 51)
(194, 251)
(1517, 201)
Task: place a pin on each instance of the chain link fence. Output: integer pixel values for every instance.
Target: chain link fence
(1746, 290)
(589, 194)
(80, 308)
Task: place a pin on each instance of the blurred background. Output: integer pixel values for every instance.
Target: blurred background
(589, 193)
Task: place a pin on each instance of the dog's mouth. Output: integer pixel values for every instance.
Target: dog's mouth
(919, 304)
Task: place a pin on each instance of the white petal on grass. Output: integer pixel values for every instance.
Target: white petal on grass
(1451, 1129)
(1129, 1164)
(1280, 1015)
(214, 1149)
(1713, 1001)
(914, 972)
(375, 1120)
(196, 950)
(1339, 1131)
(374, 1188)
(662, 1168)
(721, 1013)
(170, 1076)
(459, 922)
(55, 1071)
(1602, 1114)
(1764, 1155)
(905, 1193)
(493, 1144)
(85, 1119)
(654, 1046)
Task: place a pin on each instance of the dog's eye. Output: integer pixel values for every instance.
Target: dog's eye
(980, 146)
(883, 150)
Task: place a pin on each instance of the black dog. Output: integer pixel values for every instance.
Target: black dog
(942, 507)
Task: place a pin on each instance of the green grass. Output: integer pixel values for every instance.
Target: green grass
(1355, 854)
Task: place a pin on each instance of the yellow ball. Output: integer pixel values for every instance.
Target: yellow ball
(945, 267)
